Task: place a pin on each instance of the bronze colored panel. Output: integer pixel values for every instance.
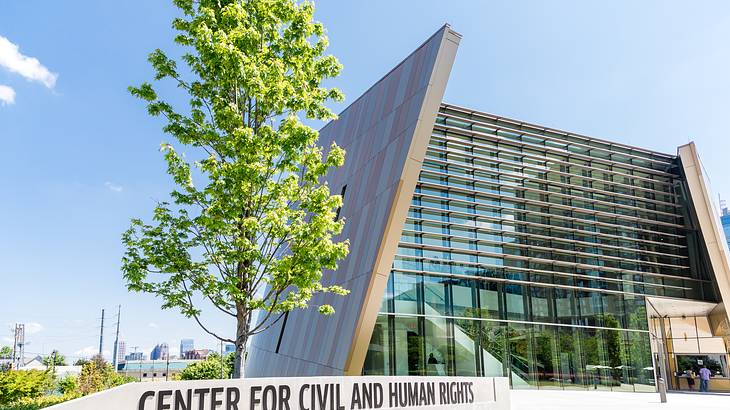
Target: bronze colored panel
(385, 133)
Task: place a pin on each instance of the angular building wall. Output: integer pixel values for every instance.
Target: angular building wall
(385, 133)
(712, 235)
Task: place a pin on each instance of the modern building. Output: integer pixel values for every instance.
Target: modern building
(725, 220)
(489, 246)
(186, 345)
(135, 356)
(197, 354)
(152, 370)
(229, 348)
(160, 352)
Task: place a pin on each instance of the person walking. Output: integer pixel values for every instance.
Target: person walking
(705, 375)
(690, 379)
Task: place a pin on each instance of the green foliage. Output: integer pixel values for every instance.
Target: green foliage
(6, 352)
(209, 368)
(98, 375)
(17, 384)
(80, 362)
(54, 358)
(34, 389)
(34, 403)
(257, 232)
(68, 384)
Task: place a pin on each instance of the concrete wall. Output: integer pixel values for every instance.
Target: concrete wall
(320, 393)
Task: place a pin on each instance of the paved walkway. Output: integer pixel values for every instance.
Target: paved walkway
(597, 400)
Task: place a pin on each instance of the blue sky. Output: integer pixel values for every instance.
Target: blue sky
(80, 158)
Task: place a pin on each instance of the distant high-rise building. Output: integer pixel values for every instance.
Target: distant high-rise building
(186, 345)
(229, 348)
(197, 354)
(135, 356)
(121, 350)
(725, 219)
(160, 352)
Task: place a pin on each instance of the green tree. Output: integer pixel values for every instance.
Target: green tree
(257, 232)
(6, 352)
(54, 359)
(97, 375)
(210, 368)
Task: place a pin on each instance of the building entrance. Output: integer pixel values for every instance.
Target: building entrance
(690, 342)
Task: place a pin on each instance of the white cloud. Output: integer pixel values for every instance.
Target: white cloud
(153, 325)
(87, 351)
(113, 187)
(28, 67)
(7, 95)
(32, 328)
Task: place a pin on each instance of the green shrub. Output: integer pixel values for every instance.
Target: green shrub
(68, 384)
(209, 368)
(19, 384)
(34, 403)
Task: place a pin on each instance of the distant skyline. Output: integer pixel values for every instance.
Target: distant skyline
(80, 155)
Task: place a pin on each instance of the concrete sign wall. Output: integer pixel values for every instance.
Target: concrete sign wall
(304, 393)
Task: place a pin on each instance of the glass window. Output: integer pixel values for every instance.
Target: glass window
(466, 336)
(540, 304)
(640, 353)
(405, 293)
(636, 317)
(565, 306)
(377, 360)
(598, 375)
(613, 310)
(571, 369)
(462, 295)
(514, 301)
(493, 349)
(489, 300)
(435, 295)
(590, 308)
(409, 358)
(546, 360)
(520, 356)
(437, 347)
(716, 363)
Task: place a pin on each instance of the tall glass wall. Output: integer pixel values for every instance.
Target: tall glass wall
(527, 253)
(442, 325)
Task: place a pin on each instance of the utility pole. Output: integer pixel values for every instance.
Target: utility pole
(116, 339)
(15, 345)
(18, 346)
(101, 334)
(221, 359)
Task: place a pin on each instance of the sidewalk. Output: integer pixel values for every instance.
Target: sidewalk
(599, 400)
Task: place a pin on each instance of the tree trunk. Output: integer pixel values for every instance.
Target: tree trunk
(239, 364)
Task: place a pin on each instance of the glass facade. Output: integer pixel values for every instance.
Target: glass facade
(528, 253)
